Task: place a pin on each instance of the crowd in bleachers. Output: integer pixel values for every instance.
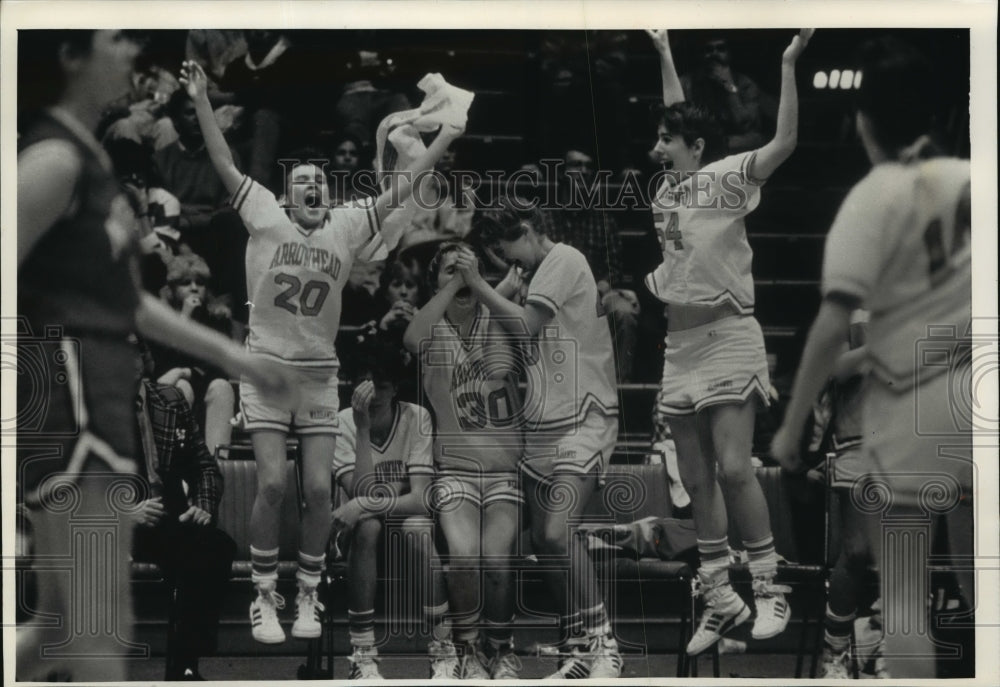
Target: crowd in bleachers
(558, 95)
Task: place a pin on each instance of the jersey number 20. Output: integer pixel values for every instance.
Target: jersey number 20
(312, 295)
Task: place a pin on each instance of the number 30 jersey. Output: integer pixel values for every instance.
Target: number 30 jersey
(901, 245)
(472, 386)
(295, 277)
(699, 224)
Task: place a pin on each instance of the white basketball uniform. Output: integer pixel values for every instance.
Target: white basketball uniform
(706, 262)
(901, 246)
(405, 452)
(571, 385)
(294, 281)
(472, 385)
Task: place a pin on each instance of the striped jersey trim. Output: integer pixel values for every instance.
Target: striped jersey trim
(242, 191)
(589, 403)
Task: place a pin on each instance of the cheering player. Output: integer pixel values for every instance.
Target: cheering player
(571, 415)
(298, 259)
(900, 248)
(468, 371)
(714, 360)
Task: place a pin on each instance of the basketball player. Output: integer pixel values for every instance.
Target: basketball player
(386, 448)
(298, 259)
(468, 372)
(80, 301)
(900, 248)
(572, 414)
(714, 369)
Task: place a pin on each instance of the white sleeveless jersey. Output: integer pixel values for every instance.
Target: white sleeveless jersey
(295, 278)
(901, 245)
(699, 224)
(573, 370)
(406, 451)
(479, 421)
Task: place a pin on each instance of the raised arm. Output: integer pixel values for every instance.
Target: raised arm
(510, 314)
(196, 83)
(422, 325)
(401, 187)
(672, 90)
(786, 134)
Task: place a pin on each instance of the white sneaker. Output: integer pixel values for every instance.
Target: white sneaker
(505, 665)
(836, 665)
(308, 615)
(773, 612)
(364, 664)
(722, 613)
(264, 617)
(606, 661)
(472, 663)
(444, 660)
(574, 666)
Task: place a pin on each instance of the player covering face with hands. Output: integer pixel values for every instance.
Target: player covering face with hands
(715, 369)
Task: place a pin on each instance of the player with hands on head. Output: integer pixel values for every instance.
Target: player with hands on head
(570, 418)
(715, 369)
(919, 203)
(384, 463)
(468, 370)
(299, 256)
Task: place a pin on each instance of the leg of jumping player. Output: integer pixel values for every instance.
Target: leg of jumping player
(270, 452)
(314, 536)
(732, 438)
(696, 461)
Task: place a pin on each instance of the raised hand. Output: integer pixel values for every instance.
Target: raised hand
(797, 45)
(194, 80)
(659, 37)
(360, 400)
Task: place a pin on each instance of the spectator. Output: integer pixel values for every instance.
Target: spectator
(178, 532)
(206, 388)
(362, 105)
(446, 212)
(344, 169)
(399, 295)
(595, 234)
(582, 94)
(141, 116)
(734, 98)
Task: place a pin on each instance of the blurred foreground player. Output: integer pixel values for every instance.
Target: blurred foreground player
(80, 303)
(900, 247)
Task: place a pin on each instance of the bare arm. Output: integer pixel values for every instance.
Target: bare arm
(850, 363)
(826, 336)
(47, 174)
(786, 135)
(508, 313)
(422, 325)
(672, 90)
(194, 80)
(159, 322)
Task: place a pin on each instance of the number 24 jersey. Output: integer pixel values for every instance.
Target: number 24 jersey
(295, 277)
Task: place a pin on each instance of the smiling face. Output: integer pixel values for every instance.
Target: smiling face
(308, 197)
(674, 153)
